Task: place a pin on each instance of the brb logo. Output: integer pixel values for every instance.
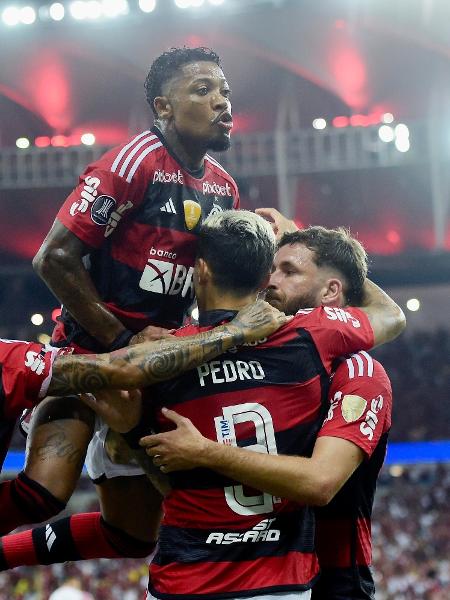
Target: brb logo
(163, 277)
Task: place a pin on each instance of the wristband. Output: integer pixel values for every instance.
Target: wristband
(121, 340)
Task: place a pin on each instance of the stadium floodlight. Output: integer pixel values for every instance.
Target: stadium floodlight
(11, 16)
(56, 11)
(93, 9)
(386, 133)
(402, 144)
(401, 131)
(319, 123)
(78, 10)
(387, 117)
(88, 139)
(22, 143)
(114, 8)
(413, 304)
(37, 319)
(27, 15)
(183, 3)
(147, 6)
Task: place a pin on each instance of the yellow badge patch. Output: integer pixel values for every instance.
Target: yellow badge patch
(192, 213)
(353, 407)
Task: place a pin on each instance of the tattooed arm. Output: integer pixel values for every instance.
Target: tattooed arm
(148, 363)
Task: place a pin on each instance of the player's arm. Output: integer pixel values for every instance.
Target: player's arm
(148, 363)
(313, 480)
(386, 317)
(59, 262)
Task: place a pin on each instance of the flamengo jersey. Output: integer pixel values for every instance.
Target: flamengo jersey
(219, 538)
(25, 373)
(140, 212)
(360, 411)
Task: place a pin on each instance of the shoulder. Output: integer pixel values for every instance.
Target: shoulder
(133, 157)
(362, 369)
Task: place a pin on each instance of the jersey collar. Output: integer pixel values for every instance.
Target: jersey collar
(197, 174)
(211, 318)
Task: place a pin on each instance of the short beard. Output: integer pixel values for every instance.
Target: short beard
(219, 145)
(301, 302)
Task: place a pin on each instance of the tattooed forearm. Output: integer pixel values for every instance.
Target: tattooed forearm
(140, 365)
(144, 364)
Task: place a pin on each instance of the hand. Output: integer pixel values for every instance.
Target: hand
(179, 449)
(259, 320)
(280, 224)
(150, 334)
(120, 410)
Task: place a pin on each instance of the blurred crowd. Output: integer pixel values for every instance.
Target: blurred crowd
(411, 534)
(418, 366)
(411, 548)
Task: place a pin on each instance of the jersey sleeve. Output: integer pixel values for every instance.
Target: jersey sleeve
(336, 331)
(360, 403)
(26, 374)
(108, 190)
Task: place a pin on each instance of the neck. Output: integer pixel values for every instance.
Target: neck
(215, 300)
(188, 154)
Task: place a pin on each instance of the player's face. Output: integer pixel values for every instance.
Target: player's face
(296, 281)
(201, 106)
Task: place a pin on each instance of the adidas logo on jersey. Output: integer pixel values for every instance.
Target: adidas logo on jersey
(169, 207)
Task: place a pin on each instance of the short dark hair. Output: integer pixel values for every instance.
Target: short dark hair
(239, 247)
(168, 63)
(335, 248)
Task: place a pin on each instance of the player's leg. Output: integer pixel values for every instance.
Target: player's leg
(56, 446)
(127, 528)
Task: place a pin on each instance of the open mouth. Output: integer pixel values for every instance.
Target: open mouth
(225, 121)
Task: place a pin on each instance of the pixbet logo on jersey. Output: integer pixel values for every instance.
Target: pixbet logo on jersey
(163, 277)
(165, 177)
(216, 189)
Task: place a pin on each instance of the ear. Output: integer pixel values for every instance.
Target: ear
(163, 107)
(333, 292)
(202, 272)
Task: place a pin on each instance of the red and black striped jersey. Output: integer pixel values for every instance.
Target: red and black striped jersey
(218, 538)
(25, 373)
(140, 211)
(360, 406)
